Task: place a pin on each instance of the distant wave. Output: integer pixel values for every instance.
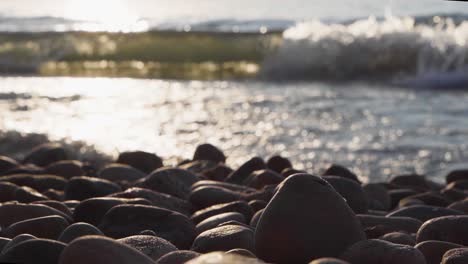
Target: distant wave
(395, 48)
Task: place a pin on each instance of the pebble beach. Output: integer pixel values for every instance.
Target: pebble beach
(137, 209)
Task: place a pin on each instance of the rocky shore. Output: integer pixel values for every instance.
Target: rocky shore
(55, 210)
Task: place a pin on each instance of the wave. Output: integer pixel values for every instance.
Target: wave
(393, 47)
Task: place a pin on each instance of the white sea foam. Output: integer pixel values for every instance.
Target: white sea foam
(370, 49)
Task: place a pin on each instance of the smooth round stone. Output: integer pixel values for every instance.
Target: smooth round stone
(399, 238)
(93, 210)
(290, 171)
(378, 251)
(448, 228)
(340, 171)
(78, 230)
(434, 250)
(49, 227)
(223, 258)
(7, 191)
(224, 238)
(214, 221)
(232, 187)
(423, 212)
(209, 152)
(127, 220)
(241, 252)
(412, 181)
(453, 194)
(82, 188)
(351, 191)
(56, 205)
(461, 206)
(239, 207)
(431, 198)
(407, 202)
(33, 251)
(207, 196)
(398, 194)
(37, 182)
(143, 161)
(278, 164)
(460, 185)
(254, 221)
(218, 173)
(378, 192)
(7, 164)
(55, 195)
(158, 199)
(291, 230)
(391, 224)
(3, 243)
(152, 246)
(175, 182)
(239, 175)
(16, 212)
(261, 178)
(180, 256)
(257, 205)
(120, 173)
(99, 250)
(457, 175)
(328, 261)
(66, 168)
(148, 233)
(28, 195)
(455, 256)
(199, 166)
(16, 240)
(46, 154)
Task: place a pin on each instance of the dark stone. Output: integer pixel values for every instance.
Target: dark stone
(78, 230)
(328, 261)
(152, 246)
(118, 173)
(82, 188)
(16, 240)
(378, 251)
(393, 224)
(143, 161)
(434, 250)
(223, 258)
(241, 252)
(351, 191)
(37, 182)
(448, 228)
(127, 220)
(254, 221)
(162, 200)
(239, 206)
(55, 195)
(224, 238)
(457, 175)
(423, 212)
(199, 166)
(304, 210)
(340, 171)
(56, 205)
(239, 175)
(290, 171)
(99, 250)
(453, 194)
(461, 206)
(232, 187)
(49, 227)
(3, 243)
(398, 194)
(180, 256)
(399, 238)
(378, 192)
(407, 202)
(7, 191)
(209, 152)
(148, 233)
(431, 198)
(175, 182)
(455, 256)
(46, 154)
(218, 173)
(257, 205)
(206, 196)
(261, 178)
(92, 210)
(16, 212)
(66, 168)
(460, 185)
(24, 169)
(28, 195)
(7, 164)
(34, 251)
(412, 181)
(278, 164)
(214, 221)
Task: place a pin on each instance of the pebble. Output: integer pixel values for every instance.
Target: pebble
(278, 164)
(239, 206)
(34, 251)
(118, 173)
(423, 212)
(434, 250)
(328, 261)
(341, 171)
(175, 182)
(448, 228)
(66, 168)
(152, 246)
(399, 238)
(16, 212)
(351, 191)
(143, 161)
(457, 175)
(239, 175)
(224, 238)
(46, 154)
(78, 230)
(16, 240)
(261, 178)
(223, 258)
(215, 220)
(82, 188)
(455, 256)
(209, 152)
(180, 256)
(49, 227)
(7, 164)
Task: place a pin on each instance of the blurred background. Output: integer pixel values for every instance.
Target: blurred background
(379, 86)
